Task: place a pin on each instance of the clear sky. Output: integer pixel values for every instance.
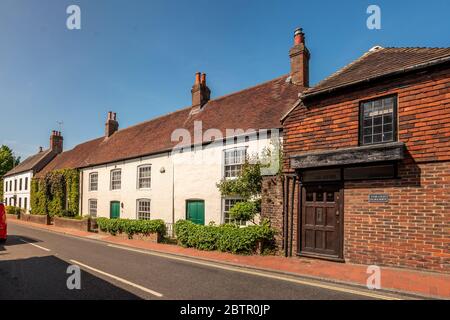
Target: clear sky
(138, 57)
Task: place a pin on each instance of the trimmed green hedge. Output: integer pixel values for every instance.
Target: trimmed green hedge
(226, 238)
(131, 227)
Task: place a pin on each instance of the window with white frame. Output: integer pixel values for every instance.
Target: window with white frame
(26, 183)
(143, 209)
(93, 181)
(93, 207)
(116, 179)
(6, 186)
(144, 177)
(227, 205)
(233, 161)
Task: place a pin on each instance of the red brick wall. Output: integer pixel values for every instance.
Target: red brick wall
(413, 229)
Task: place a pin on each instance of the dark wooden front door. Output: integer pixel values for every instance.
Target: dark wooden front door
(322, 221)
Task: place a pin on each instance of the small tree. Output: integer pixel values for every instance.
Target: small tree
(245, 211)
(248, 185)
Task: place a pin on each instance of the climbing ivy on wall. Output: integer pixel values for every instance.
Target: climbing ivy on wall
(38, 198)
(57, 193)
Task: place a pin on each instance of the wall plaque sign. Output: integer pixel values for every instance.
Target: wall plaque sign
(379, 197)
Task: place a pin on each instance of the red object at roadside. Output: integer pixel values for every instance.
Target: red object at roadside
(3, 225)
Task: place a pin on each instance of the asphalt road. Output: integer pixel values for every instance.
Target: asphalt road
(33, 265)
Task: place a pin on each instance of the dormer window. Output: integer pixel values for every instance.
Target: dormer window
(378, 120)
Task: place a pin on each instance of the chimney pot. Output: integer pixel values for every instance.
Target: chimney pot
(299, 36)
(203, 79)
(197, 77)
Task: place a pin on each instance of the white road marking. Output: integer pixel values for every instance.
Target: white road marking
(118, 279)
(266, 275)
(35, 245)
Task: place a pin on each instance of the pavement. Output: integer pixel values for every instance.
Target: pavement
(117, 268)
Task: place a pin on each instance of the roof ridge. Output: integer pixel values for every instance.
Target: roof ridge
(248, 88)
(424, 47)
(347, 66)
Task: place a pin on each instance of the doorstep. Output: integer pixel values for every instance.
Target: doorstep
(427, 284)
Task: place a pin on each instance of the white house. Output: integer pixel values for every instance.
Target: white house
(17, 181)
(168, 167)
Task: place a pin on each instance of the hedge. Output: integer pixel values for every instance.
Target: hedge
(226, 238)
(131, 227)
(13, 210)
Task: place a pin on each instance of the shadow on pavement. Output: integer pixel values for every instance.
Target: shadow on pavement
(14, 240)
(46, 278)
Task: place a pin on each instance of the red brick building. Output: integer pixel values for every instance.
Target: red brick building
(367, 163)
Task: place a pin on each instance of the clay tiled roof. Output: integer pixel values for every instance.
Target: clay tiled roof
(74, 158)
(34, 163)
(258, 107)
(380, 62)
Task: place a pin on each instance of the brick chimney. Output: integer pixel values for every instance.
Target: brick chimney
(111, 124)
(200, 92)
(299, 55)
(56, 142)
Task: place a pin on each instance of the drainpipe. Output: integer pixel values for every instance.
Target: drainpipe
(81, 194)
(286, 217)
(173, 196)
(294, 182)
(284, 208)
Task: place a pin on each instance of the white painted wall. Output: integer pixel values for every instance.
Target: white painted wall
(187, 175)
(18, 193)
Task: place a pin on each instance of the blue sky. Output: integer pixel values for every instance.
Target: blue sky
(138, 57)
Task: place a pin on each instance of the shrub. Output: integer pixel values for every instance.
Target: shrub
(244, 211)
(13, 210)
(226, 238)
(68, 214)
(131, 227)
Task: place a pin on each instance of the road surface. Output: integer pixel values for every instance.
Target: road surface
(34, 262)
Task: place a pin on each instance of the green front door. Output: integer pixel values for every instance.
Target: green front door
(114, 211)
(195, 211)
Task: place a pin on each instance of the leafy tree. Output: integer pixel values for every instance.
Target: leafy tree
(248, 184)
(244, 211)
(7, 162)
